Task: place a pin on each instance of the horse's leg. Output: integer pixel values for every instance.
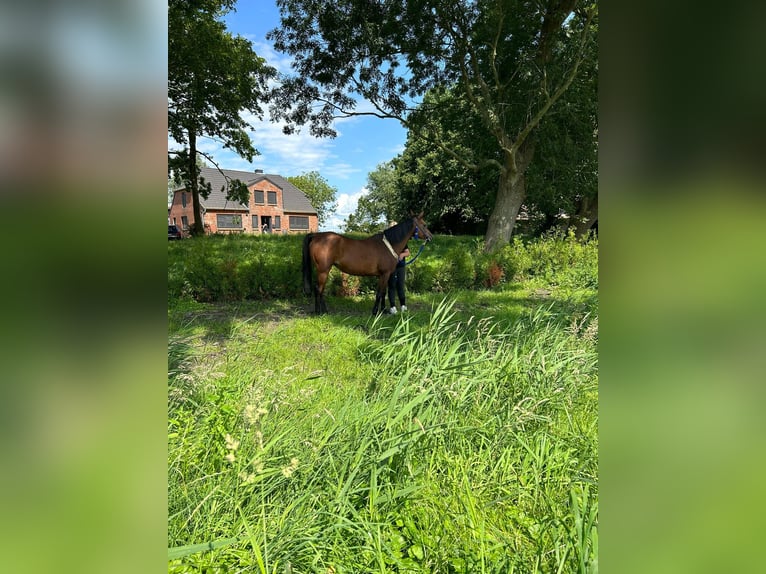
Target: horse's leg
(380, 294)
(320, 305)
(377, 299)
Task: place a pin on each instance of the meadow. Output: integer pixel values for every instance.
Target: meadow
(461, 436)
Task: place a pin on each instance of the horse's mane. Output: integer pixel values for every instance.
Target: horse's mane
(399, 231)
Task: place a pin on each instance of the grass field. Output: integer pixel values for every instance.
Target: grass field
(459, 437)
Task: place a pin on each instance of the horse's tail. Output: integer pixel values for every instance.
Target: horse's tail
(308, 284)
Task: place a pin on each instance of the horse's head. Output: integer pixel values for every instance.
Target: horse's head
(421, 231)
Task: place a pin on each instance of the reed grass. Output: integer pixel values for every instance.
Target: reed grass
(443, 440)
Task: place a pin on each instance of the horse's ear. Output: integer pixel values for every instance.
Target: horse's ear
(421, 215)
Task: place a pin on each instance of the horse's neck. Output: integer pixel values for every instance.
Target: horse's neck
(399, 245)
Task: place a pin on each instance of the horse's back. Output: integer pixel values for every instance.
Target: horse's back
(326, 241)
(352, 256)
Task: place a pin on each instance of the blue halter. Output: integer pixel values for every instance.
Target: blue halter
(416, 235)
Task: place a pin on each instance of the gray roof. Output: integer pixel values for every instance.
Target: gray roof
(294, 200)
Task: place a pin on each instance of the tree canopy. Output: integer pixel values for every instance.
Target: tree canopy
(562, 176)
(379, 205)
(212, 77)
(508, 61)
(319, 191)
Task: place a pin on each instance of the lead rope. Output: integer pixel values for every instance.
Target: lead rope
(422, 245)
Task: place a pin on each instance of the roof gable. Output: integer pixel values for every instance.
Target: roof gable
(264, 177)
(293, 199)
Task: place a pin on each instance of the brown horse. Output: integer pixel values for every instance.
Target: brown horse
(374, 256)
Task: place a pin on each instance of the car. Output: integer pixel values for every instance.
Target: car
(174, 232)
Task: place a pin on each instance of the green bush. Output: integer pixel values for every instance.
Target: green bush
(488, 272)
(238, 267)
(557, 258)
(463, 268)
(421, 274)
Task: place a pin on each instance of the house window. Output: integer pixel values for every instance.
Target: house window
(229, 221)
(277, 222)
(272, 198)
(255, 222)
(299, 222)
(258, 197)
(184, 222)
(183, 199)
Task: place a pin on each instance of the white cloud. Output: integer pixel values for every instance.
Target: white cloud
(280, 153)
(282, 62)
(287, 154)
(340, 170)
(347, 203)
(208, 146)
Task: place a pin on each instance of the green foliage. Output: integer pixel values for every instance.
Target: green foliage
(421, 276)
(441, 441)
(320, 193)
(233, 268)
(212, 77)
(563, 169)
(380, 205)
(505, 66)
(458, 197)
(239, 267)
(343, 285)
(557, 259)
(462, 266)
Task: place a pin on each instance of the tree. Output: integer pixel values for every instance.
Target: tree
(320, 193)
(379, 205)
(562, 176)
(212, 77)
(458, 199)
(510, 60)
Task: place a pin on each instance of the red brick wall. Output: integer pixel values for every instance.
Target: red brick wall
(264, 208)
(177, 210)
(211, 221)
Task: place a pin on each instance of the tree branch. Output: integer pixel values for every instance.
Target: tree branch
(535, 121)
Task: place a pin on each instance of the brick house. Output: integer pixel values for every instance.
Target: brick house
(275, 205)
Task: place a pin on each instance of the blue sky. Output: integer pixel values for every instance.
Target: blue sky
(362, 143)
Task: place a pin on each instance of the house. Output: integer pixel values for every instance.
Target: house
(275, 205)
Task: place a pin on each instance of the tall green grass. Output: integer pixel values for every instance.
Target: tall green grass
(432, 442)
(266, 267)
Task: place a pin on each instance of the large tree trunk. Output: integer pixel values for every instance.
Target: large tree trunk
(511, 192)
(198, 227)
(586, 216)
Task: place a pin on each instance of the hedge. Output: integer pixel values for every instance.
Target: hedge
(239, 267)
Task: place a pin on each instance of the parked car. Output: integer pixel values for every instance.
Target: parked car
(174, 232)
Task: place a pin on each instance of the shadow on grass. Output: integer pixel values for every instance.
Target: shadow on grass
(213, 328)
(219, 321)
